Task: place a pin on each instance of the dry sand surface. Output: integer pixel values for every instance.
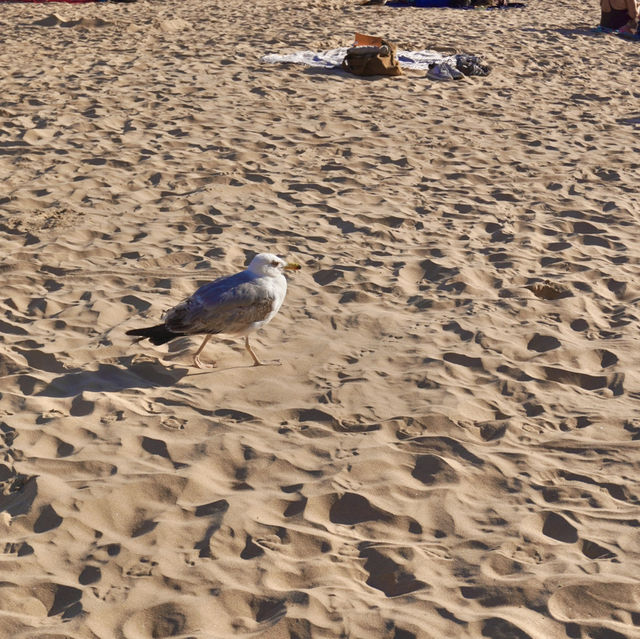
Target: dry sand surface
(443, 453)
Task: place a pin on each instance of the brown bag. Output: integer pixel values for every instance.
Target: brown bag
(372, 60)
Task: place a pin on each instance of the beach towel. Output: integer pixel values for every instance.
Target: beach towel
(332, 59)
(465, 63)
(417, 60)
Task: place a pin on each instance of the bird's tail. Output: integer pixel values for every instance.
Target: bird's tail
(155, 334)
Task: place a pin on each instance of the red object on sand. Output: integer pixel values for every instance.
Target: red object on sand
(41, 1)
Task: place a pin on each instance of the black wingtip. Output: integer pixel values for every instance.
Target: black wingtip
(157, 335)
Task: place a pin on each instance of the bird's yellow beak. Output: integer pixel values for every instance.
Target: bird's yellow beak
(292, 266)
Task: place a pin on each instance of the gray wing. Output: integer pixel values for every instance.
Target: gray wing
(228, 305)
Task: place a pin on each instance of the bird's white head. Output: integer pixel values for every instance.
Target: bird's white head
(269, 264)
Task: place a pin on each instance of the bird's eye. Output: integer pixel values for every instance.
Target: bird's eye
(274, 263)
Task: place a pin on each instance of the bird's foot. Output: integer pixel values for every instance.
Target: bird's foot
(198, 364)
(273, 362)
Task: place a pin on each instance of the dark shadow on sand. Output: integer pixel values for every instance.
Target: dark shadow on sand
(215, 369)
(341, 73)
(579, 30)
(632, 121)
(110, 378)
(338, 71)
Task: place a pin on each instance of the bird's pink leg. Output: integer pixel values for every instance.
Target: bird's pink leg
(196, 359)
(256, 361)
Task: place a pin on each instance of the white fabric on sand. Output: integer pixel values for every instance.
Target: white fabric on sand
(417, 60)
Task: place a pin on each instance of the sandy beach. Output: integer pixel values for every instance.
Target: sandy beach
(450, 446)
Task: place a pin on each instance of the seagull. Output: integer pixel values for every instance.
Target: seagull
(235, 305)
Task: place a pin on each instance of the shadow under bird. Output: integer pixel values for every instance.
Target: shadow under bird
(236, 305)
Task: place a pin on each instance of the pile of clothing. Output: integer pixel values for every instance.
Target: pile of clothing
(462, 64)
